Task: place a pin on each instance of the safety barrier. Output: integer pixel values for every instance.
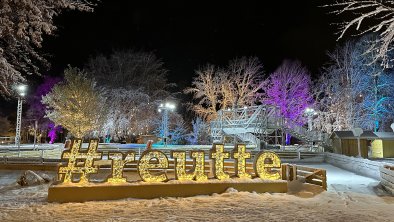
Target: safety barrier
(305, 174)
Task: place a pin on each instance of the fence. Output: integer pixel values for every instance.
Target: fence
(6, 140)
(304, 174)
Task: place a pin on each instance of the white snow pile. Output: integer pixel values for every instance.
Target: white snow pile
(30, 178)
(344, 201)
(229, 206)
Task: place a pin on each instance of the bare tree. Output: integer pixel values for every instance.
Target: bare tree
(333, 91)
(206, 88)
(353, 91)
(381, 12)
(245, 76)
(5, 126)
(200, 132)
(130, 70)
(215, 88)
(22, 27)
(288, 89)
(177, 128)
(129, 112)
(36, 110)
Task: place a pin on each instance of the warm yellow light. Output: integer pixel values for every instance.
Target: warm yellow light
(66, 173)
(218, 155)
(152, 159)
(199, 165)
(118, 163)
(264, 162)
(197, 174)
(240, 154)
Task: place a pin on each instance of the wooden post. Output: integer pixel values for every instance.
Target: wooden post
(290, 172)
(324, 180)
(284, 172)
(294, 172)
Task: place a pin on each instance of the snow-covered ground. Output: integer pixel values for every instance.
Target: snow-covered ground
(349, 197)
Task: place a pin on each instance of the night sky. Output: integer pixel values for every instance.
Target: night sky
(189, 34)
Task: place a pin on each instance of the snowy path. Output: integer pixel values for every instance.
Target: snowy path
(339, 180)
(349, 198)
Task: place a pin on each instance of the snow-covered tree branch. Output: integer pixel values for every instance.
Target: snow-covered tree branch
(353, 91)
(382, 15)
(216, 88)
(22, 27)
(288, 89)
(131, 70)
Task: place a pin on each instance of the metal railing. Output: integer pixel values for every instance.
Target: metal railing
(249, 123)
(6, 140)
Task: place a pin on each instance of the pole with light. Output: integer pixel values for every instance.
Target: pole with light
(310, 113)
(165, 108)
(357, 133)
(21, 91)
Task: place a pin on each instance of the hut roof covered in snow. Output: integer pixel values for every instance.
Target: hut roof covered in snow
(348, 134)
(385, 135)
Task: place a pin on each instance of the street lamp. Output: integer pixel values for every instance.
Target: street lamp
(310, 113)
(21, 91)
(165, 108)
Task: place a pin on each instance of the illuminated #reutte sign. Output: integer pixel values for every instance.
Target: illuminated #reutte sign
(81, 165)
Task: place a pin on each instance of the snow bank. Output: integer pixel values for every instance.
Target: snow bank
(387, 178)
(357, 165)
(344, 202)
(29, 204)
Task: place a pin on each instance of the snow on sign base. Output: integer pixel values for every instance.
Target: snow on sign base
(73, 193)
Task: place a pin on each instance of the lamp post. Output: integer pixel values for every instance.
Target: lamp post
(21, 90)
(165, 108)
(310, 113)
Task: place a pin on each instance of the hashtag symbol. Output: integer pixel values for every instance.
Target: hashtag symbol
(74, 167)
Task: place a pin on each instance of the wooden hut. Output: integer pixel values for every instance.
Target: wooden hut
(344, 142)
(383, 146)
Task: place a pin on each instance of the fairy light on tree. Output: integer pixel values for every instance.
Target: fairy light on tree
(310, 113)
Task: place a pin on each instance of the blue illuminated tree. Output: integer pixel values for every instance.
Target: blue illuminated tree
(177, 129)
(354, 90)
(376, 87)
(200, 133)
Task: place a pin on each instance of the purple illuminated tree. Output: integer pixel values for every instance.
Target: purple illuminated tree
(36, 111)
(52, 133)
(288, 88)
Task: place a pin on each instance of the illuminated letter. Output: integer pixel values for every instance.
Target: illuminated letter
(73, 167)
(218, 155)
(240, 164)
(118, 163)
(263, 164)
(198, 173)
(152, 159)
